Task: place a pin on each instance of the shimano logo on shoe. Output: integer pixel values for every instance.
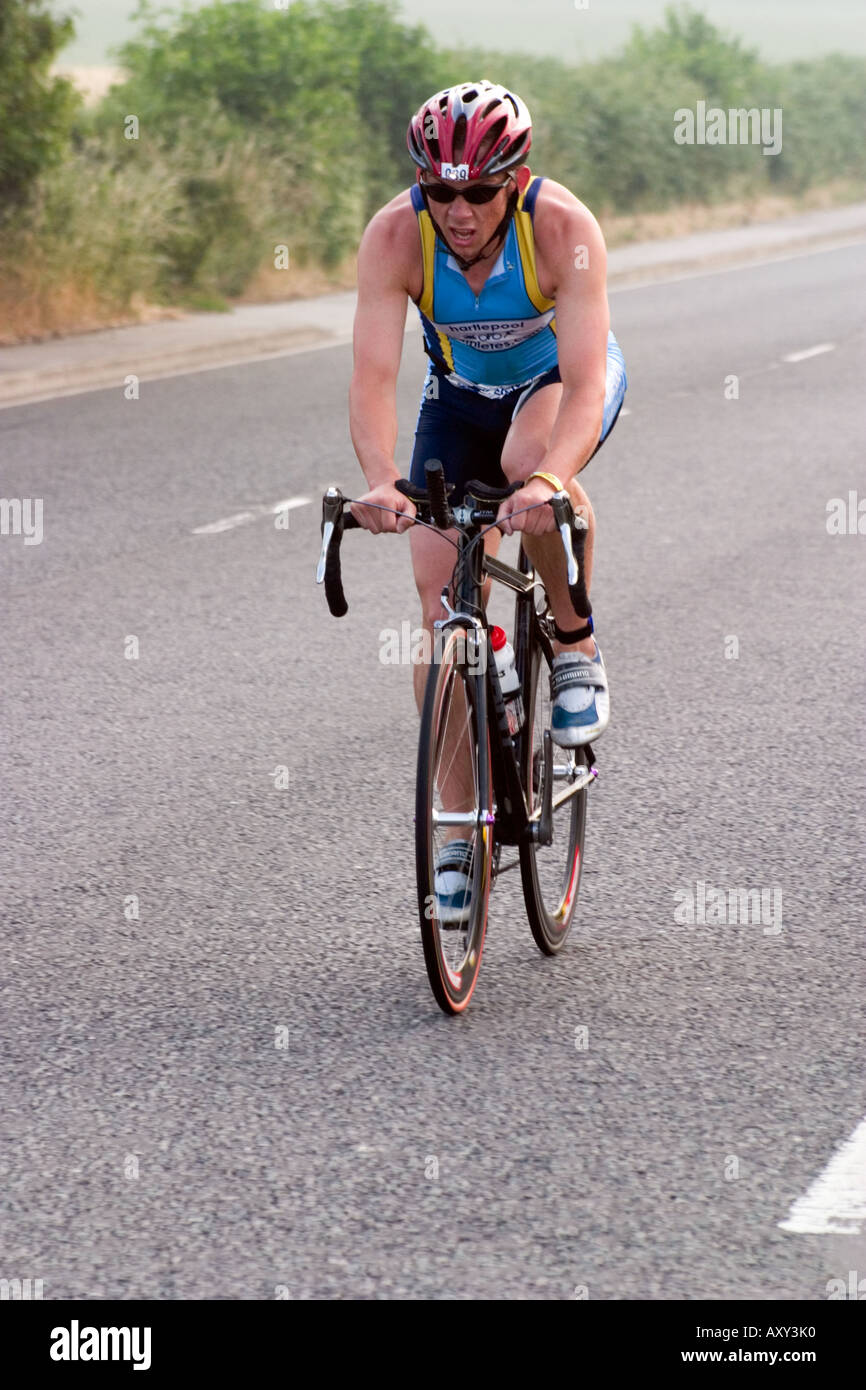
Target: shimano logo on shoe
(76, 1343)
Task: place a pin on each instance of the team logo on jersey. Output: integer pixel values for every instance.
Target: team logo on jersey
(496, 335)
(455, 171)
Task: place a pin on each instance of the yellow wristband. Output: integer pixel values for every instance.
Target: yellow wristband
(548, 478)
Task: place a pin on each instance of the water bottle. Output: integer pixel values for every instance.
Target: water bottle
(503, 655)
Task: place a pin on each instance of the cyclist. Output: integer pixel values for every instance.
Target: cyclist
(525, 379)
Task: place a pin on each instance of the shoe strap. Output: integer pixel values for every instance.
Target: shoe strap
(456, 856)
(584, 672)
(577, 635)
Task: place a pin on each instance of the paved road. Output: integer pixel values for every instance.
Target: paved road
(245, 1087)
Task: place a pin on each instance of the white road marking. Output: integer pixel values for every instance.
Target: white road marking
(228, 523)
(808, 352)
(289, 504)
(836, 1202)
(624, 410)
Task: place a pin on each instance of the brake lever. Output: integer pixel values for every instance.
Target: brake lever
(568, 521)
(332, 507)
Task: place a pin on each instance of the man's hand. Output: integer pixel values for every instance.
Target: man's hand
(385, 495)
(534, 523)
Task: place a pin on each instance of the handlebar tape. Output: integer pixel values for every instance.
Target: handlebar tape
(333, 569)
(577, 592)
(439, 509)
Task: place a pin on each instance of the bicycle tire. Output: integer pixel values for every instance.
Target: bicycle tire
(550, 873)
(452, 951)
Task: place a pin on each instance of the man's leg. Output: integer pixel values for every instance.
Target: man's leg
(467, 432)
(524, 451)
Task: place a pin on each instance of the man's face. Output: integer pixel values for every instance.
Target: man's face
(469, 226)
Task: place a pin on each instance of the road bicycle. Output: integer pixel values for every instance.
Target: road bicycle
(488, 769)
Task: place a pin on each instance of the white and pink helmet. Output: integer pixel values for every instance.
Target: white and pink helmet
(470, 131)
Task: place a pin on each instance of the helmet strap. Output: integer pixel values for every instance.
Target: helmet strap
(498, 235)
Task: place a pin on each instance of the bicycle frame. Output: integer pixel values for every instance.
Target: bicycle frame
(514, 822)
(512, 793)
(501, 764)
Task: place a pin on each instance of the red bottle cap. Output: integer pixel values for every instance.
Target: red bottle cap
(498, 638)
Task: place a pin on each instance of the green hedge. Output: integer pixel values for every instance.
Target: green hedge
(258, 126)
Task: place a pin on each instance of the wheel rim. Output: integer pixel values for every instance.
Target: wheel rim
(454, 789)
(556, 867)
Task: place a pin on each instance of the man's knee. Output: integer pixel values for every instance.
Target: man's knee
(431, 604)
(581, 502)
(430, 584)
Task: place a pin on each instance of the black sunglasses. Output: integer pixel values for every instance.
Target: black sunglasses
(472, 192)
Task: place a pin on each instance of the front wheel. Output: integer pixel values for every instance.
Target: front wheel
(551, 873)
(453, 825)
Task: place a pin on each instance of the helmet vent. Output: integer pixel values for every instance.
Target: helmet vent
(494, 139)
(459, 138)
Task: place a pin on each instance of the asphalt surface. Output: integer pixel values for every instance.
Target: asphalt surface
(163, 1138)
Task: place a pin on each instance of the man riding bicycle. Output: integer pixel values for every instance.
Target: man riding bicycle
(508, 272)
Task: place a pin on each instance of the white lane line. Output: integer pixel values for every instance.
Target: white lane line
(836, 1202)
(228, 523)
(808, 352)
(289, 504)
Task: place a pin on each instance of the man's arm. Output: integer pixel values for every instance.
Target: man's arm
(380, 320)
(578, 262)
(570, 250)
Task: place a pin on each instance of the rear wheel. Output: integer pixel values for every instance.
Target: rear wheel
(452, 805)
(550, 873)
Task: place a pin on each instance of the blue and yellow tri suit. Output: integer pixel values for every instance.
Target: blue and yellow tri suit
(489, 352)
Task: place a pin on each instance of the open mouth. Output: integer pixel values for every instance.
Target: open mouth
(462, 238)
